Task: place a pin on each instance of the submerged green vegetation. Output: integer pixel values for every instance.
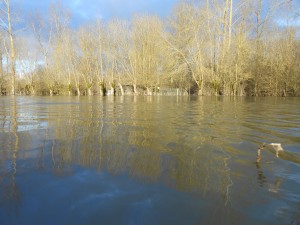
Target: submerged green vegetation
(212, 47)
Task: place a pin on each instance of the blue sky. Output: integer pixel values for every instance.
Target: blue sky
(86, 10)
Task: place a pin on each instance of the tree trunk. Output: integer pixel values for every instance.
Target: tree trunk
(1, 65)
(230, 26)
(12, 53)
(78, 91)
(121, 88)
(200, 86)
(32, 90)
(112, 89)
(241, 88)
(101, 90)
(149, 92)
(284, 91)
(69, 88)
(89, 92)
(134, 89)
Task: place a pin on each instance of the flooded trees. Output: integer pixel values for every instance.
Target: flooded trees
(88, 58)
(146, 35)
(6, 23)
(220, 47)
(43, 32)
(99, 63)
(122, 51)
(180, 45)
(62, 49)
(269, 77)
(3, 75)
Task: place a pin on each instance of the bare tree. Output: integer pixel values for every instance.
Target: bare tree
(206, 47)
(43, 31)
(146, 36)
(121, 50)
(60, 17)
(6, 23)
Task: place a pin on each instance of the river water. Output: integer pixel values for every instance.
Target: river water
(148, 160)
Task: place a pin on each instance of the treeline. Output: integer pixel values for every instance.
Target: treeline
(212, 47)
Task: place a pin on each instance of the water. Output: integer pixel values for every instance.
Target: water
(148, 160)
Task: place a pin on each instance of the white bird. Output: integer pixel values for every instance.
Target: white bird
(273, 147)
(277, 147)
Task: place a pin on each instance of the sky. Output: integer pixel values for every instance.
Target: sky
(83, 11)
(89, 10)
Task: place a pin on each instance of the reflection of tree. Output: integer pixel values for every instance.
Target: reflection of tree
(64, 138)
(260, 175)
(11, 194)
(111, 135)
(263, 181)
(140, 139)
(41, 154)
(88, 152)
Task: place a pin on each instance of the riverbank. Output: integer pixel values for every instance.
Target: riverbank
(129, 90)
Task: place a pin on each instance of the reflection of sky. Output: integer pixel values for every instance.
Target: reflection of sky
(25, 122)
(88, 197)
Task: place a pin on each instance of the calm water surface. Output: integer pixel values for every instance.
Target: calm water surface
(148, 160)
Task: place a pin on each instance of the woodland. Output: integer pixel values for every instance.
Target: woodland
(209, 47)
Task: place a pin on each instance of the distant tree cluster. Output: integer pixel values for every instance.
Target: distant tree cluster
(209, 47)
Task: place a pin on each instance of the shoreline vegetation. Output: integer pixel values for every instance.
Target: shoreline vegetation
(212, 47)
